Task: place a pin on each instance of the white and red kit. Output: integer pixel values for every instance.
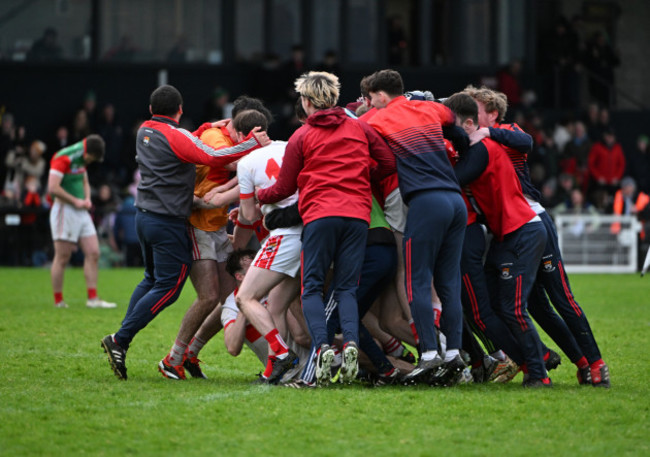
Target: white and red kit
(256, 342)
(281, 250)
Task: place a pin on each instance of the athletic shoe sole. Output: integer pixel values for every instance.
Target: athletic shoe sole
(350, 366)
(323, 366)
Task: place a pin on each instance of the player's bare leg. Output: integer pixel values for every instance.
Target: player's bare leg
(62, 252)
(90, 247)
(279, 300)
(256, 285)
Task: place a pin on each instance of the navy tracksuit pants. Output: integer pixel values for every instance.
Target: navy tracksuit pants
(433, 241)
(167, 254)
(511, 269)
(554, 280)
(343, 241)
(476, 297)
(377, 272)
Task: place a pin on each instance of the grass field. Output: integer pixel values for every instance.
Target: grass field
(60, 398)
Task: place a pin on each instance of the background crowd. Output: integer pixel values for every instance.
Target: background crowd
(578, 161)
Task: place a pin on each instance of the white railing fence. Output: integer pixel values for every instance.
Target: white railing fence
(598, 243)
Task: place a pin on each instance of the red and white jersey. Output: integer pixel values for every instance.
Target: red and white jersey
(256, 341)
(262, 170)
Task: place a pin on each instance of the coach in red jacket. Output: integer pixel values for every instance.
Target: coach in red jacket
(166, 155)
(328, 161)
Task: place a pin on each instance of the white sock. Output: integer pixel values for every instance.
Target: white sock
(429, 355)
(450, 354)
(177, 352)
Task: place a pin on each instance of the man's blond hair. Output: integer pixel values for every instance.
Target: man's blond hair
(492, 99)
(320, 88)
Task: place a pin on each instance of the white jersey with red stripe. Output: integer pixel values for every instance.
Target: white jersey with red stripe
(261, 168)
(258, 344)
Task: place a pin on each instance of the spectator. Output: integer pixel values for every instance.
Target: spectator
(574, 158)
(178, 53)
(397, 41)
(89, 105)
(600, 61)
(105, 208)
(562, 133)
(13, 161)
(546, 154)
(31, 166)
(7, 143)
(576, 204)
(61, 140)
(592, 121)
(111, 132)
(292, 69)
(629, 201)
(330, 63)
(80, 127)
(218, 106)
(606, 167)
(566, 184)
(104, 204)
(638, 164)
(124, 232)
(508, 82)
(46, 48)
(563, 57)
(31, 205)
(124, 51)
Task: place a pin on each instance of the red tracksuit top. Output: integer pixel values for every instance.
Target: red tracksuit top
(497, 192)
(328, 161)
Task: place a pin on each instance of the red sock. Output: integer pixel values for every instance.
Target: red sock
(524, 368)
(546, 380)
(393, 347)
(58, 297)
(276, 342)
(92, 294)
(582, 363)
(269, 366)
(597, 364)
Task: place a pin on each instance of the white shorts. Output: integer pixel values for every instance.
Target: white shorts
(210, 245)
(280, 253)
(68, 223)
(395, 211)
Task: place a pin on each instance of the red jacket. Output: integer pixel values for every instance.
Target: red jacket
(497, 192)
(328, 161)
(606, 164)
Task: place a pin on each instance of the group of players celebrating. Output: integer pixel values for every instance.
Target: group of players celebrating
(409, 223)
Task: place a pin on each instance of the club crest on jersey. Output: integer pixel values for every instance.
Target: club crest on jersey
(505, 273)
(145, 140)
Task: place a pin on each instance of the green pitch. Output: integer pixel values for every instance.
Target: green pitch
(58, 396)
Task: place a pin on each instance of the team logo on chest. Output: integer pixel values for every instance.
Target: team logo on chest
(146, 140)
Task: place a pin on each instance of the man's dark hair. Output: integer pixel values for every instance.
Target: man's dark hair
(364, 87)
(233, 263)
(389, 81)
(244, 102)
(165, 101)
(464, 106)
(248, 119)
(301, 115)
(95, 147)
